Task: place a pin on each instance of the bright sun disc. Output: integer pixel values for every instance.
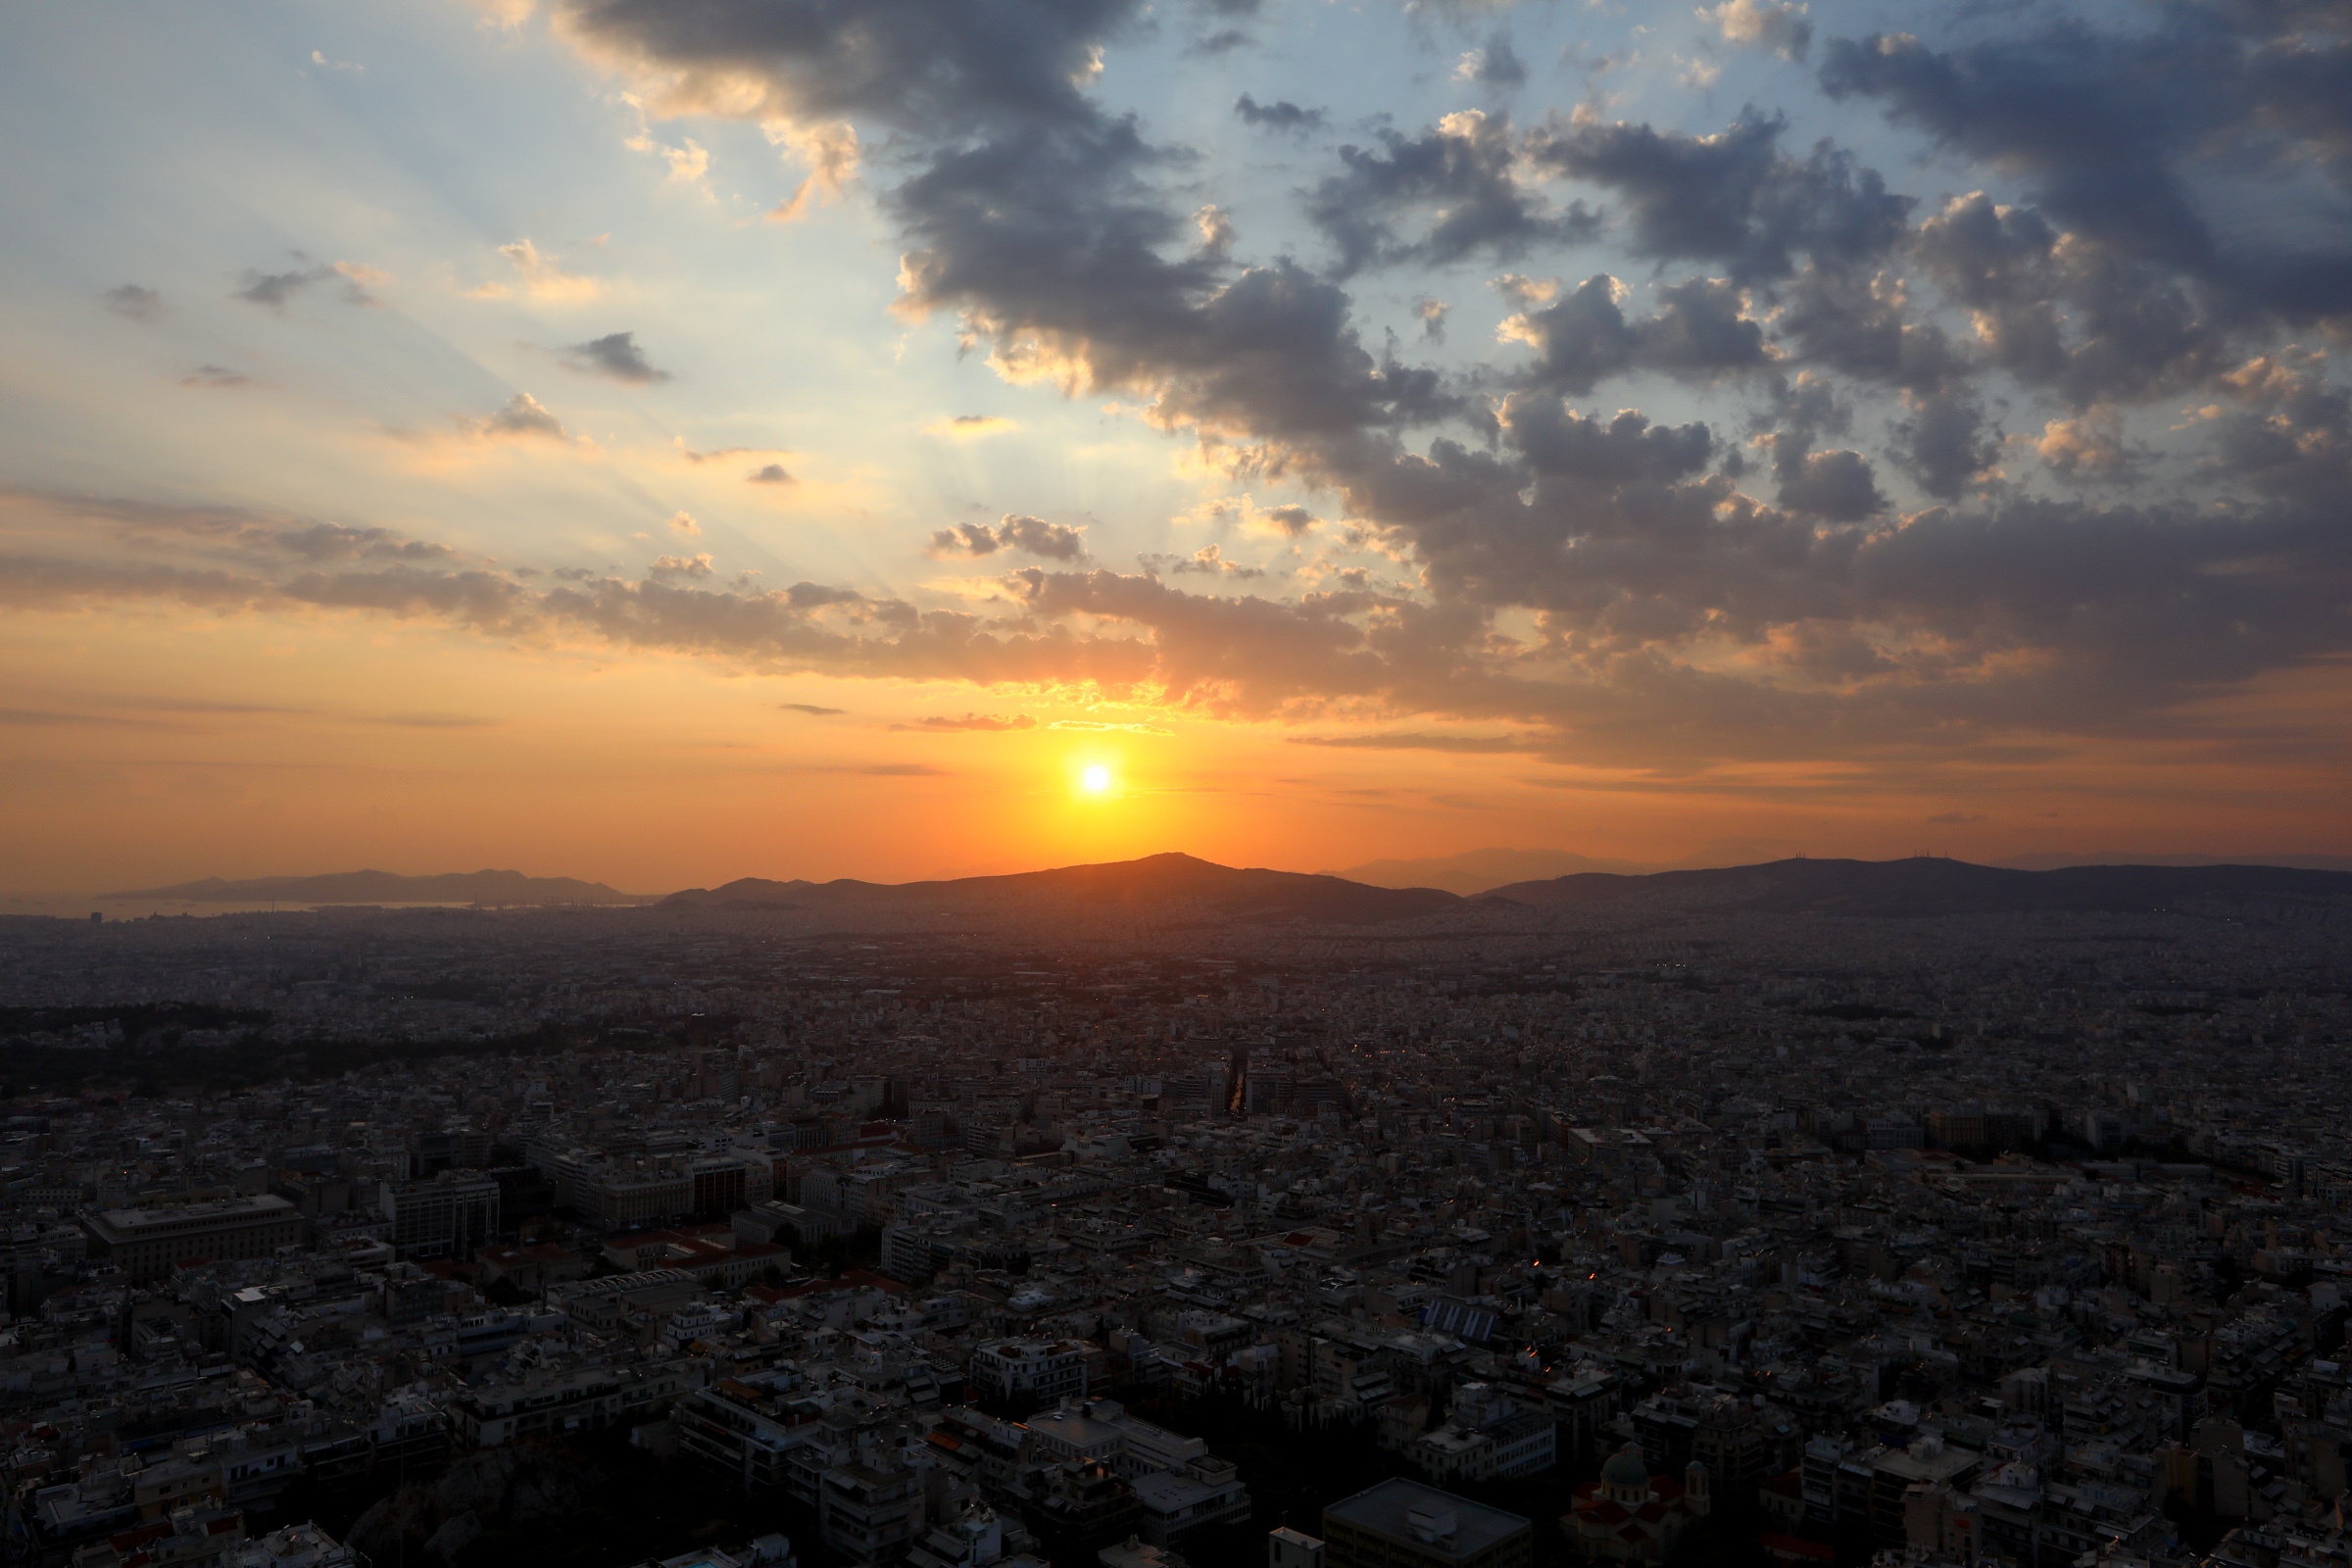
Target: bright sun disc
(1095, 779)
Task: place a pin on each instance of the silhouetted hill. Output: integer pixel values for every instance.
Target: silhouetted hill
(1161, 883)
(2051, 863)
(1475, 871)
(1184, 887)
(390, 887)
(1923, 886)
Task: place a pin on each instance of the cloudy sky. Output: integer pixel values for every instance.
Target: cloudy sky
(664, 440)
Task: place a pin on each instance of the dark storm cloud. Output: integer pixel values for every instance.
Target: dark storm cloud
(1559, 442)
(1945, 441)
(1837, 486)
(2293, 436)
(1463, 175)
(2114, 129)
(2085, 321)
(1280, 115)
(939, 69)
(1732, 199)
(614, 355)
(1059, 240)
(1054, 249)
(1861, 325)
(1699, 332)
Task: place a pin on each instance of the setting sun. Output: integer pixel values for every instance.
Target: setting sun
(1095, 779)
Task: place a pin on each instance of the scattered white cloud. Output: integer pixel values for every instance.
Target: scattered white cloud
(1761, 24)
(539, 276)
(827, 150)
(524, 416)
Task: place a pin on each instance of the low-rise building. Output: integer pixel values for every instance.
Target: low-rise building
(1404, 1524)
(146, 1243)
(1030, 1370)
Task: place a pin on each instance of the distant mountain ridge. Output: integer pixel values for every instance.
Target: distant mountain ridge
(1477, 870)
(1163, 882)
(1490, 870)
(1930, 886)
(2054, 862)
(1184, 887)
(390, 887)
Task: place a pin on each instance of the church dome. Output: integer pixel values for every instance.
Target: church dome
(1626, 1468)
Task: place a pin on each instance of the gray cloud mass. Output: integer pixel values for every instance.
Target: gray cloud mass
(1029, 536)
(616, 356)
(1912, 518)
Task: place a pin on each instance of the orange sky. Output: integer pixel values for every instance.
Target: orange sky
(204, 746)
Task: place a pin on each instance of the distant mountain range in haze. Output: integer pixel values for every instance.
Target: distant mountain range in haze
(1930, 886)
(511, 888)
(1156, 881)
(1477, 870)
(1182, 887)
(2053, 862)
(1180, 884)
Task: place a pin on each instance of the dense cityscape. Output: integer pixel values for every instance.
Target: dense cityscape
(1492, 1235)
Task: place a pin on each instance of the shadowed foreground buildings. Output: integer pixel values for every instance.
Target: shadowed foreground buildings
(146, 1243)
(1970, 1238)
(1629, 1515)
(1404, 1524)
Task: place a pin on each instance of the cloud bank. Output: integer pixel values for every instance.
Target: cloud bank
(2013, 409)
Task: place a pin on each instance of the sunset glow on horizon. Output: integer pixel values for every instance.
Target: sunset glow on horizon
(643, 443)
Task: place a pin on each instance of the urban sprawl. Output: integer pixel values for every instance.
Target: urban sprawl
(444, 1237)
